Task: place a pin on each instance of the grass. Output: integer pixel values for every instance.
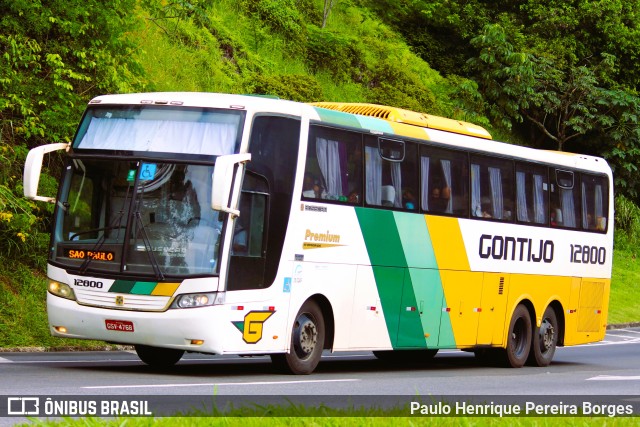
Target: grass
(23, 315)
(623, 306)
(348, 421)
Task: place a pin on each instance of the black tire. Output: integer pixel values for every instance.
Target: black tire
(545, 340)
(518, 339)
(405, 356)
(307, 342)
(158, 357)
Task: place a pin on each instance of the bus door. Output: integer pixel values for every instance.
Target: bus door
(247, 247)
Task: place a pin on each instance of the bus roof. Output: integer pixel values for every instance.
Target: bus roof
(371, 117)
(399, 115)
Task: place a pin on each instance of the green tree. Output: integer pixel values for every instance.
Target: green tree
(54, 56)
(562, 103)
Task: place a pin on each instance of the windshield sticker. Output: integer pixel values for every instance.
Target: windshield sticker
(148, 171)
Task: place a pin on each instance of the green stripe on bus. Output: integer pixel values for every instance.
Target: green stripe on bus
(338, 117)
(415, 240)
(407, 276)
(122, 286)
(425, 278)
(426, 286)
(131, 287)
(143, 288)
(389, 265)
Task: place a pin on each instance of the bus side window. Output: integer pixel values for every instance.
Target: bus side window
(531, 193)
(390, 173)
(444, 178)
(594, 202)
(248, 234)
(565, 206)
(492, 188)
(333, 168)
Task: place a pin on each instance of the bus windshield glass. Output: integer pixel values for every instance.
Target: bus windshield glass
(137, 217)
(160, 129)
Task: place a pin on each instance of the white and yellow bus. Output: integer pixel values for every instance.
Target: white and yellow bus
(228, 224)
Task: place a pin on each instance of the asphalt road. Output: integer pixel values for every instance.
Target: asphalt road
(610, 367)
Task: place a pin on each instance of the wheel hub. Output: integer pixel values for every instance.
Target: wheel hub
(306, 337)
(547, 335)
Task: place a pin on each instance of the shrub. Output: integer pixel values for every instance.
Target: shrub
(281, 16)
(627, 219)
(337, 54)
(300, 88)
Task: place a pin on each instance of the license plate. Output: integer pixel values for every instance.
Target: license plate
(119, 325)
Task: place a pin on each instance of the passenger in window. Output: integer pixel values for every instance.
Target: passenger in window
(307, 186)
(409, 199)
(507, 213)
(486, 207)
(312, 188)
(436, 202)
(318, 191)
(445, 193)
(354, 197)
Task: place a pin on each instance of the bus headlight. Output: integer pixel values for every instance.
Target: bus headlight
(61, 290)
(198, 300)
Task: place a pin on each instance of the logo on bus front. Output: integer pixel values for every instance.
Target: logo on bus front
(253, 325)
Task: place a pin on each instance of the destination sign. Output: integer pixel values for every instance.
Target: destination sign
(95, 255)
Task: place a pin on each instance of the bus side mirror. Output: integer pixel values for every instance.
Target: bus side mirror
(223, 178)
(32, 168)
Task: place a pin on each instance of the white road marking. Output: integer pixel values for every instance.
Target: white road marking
(614, 378)
(220, 384)
(623, 336)
(607, 342)
(3, 360)
(625, 331)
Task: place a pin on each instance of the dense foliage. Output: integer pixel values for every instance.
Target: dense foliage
(53, 56)
(560, 74)
(550, 74)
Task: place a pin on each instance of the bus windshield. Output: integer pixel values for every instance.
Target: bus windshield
(159, 129)
(137, 217)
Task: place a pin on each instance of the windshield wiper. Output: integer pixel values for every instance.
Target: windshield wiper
(145, 237)
(148, 247)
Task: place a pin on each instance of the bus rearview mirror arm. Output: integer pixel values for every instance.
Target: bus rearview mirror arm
(222, 180)
(33, 166)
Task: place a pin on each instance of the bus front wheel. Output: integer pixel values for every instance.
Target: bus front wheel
(158, 357)
(307, 342)
(545, 340)
(519, 338)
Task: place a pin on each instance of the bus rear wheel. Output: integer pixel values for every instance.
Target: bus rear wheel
(307, 342)
(158, 357)
(545, 340)
(519, 338)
